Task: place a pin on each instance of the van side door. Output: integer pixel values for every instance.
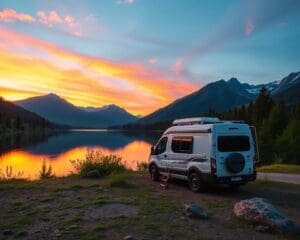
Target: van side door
(181, 150)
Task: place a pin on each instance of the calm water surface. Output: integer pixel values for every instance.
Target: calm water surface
(59, 149)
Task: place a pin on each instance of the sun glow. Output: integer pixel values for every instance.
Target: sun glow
(31, 67)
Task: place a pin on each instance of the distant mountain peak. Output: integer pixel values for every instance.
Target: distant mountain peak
(52, 95)
(58, 110)
(233, 80)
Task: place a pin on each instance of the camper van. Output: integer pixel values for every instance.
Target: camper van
(204, 151)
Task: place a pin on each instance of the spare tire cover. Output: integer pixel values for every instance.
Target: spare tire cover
(235, 162)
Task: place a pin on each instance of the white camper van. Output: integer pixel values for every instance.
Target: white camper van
(205, 150)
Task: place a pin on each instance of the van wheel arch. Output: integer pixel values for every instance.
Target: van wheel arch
(194, 170)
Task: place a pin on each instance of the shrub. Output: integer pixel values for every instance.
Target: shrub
(9, 174)
(46, 172)
(119, 181)
(95, 160)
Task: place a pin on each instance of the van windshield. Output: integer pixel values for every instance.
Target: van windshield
(233, 143)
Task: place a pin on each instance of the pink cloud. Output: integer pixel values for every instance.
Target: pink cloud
(50, 19)
(152, 60)
(10, 15)
(178, 66)
(125, 1)
(249, 27)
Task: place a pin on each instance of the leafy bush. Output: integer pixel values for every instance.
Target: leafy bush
(95, 160)
(119, 181)
(46, 172)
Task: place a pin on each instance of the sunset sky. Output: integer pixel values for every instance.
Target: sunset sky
(142, 54)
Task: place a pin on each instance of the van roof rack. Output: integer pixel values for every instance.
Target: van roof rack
(235, 121)
(196, 120)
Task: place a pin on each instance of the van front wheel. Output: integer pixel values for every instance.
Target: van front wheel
(154, 173)
(195, 182)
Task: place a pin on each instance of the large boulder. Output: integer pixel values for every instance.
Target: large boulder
(260, 211)
(194, 211)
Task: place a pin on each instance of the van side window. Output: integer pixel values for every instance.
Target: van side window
(161, 146)
(182, 144)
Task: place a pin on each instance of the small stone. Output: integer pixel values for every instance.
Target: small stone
(93, 174)
(128, 237)
(8, 232)
(263, 229)
(183, 219)
(195, 211)
(56, 233)
(72, 226)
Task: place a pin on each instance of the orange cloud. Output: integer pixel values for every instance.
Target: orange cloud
(85, 80)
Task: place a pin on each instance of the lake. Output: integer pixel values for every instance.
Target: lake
(57, 150)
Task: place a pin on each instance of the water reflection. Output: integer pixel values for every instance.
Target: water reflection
(58, 149)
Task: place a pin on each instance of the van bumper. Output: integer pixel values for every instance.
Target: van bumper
(233, 179)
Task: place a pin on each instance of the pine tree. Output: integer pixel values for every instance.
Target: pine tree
(265, 143)
(262, 107)
(278, 118)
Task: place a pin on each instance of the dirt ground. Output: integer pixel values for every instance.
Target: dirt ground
(73, 208)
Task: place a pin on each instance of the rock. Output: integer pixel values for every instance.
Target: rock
(7, 232)
(194, 211)
(93, 174)
(261, 211)
(56, 233)
(263, 229)
(129, 237)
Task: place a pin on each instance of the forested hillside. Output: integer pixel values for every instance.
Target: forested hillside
(278, 127)
(14, 119)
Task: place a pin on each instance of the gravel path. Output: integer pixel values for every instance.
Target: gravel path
(280, 177)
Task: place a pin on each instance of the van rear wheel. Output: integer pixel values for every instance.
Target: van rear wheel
(195, 182)
(154, 173)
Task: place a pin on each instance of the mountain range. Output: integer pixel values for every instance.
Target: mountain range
(223, 95)
(220, 96)
(58, 110)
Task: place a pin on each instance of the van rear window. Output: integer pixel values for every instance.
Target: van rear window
(233, 143)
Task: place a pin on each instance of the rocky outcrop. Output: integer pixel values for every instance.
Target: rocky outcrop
(261, 212)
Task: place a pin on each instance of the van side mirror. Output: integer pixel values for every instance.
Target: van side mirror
(152, 150)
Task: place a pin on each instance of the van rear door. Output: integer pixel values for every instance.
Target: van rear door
(234, 149)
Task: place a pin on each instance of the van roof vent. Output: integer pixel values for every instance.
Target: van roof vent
(196, 120)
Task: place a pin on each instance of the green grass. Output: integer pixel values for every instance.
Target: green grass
(280, 168)
(119, 181)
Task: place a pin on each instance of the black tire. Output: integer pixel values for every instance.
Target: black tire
(154, 173)
(195, 182)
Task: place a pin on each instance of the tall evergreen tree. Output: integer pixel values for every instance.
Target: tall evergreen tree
(262, 107)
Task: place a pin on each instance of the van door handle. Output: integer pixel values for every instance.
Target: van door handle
(165, 155)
